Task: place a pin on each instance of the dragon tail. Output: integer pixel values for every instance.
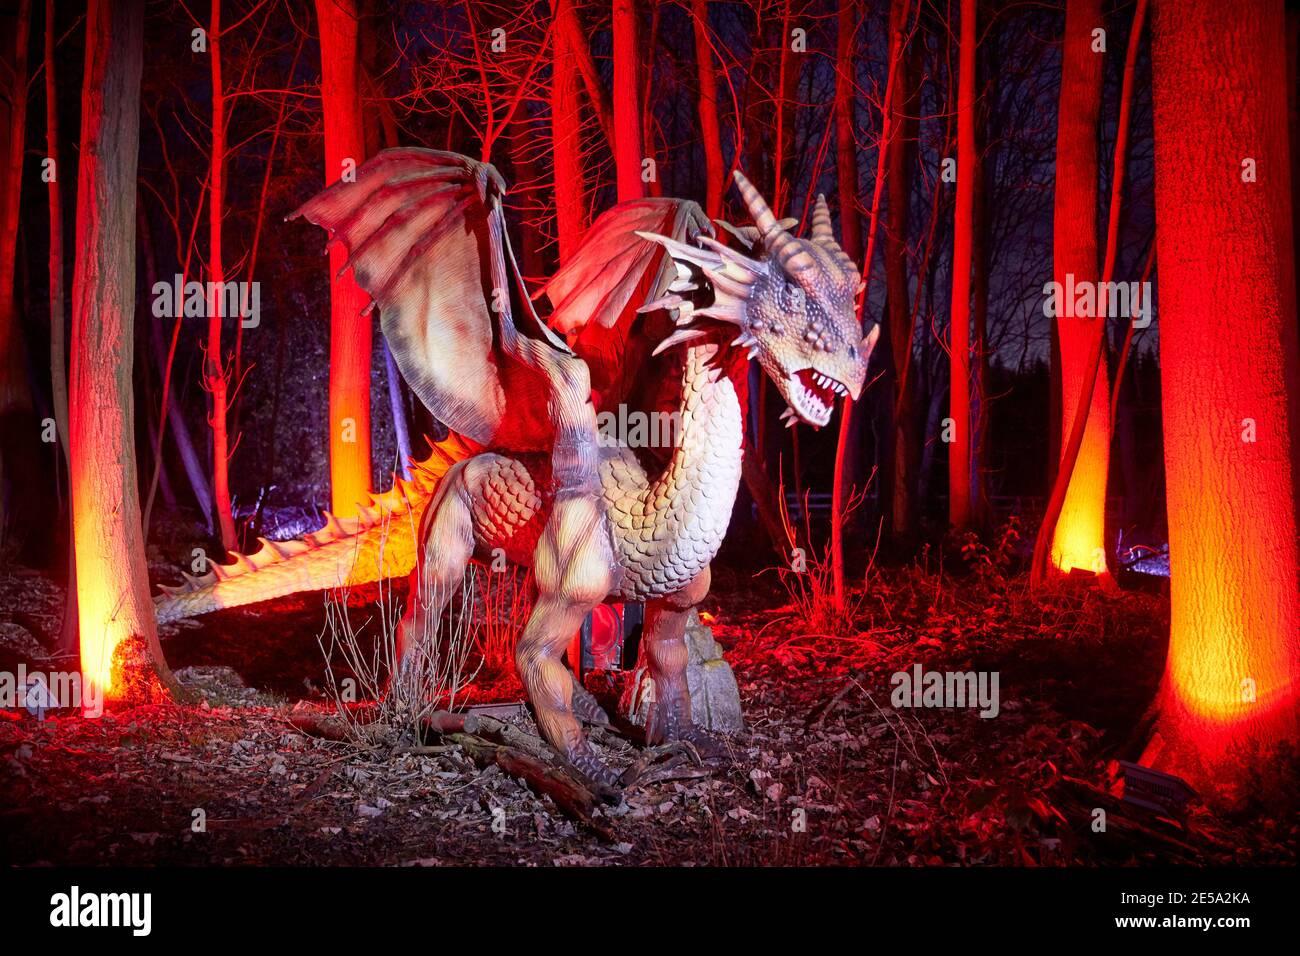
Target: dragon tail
(380, 542)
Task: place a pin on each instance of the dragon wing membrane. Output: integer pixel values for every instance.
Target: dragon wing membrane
(425, 236)
(596, 296)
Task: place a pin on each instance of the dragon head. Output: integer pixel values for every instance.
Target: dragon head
(793, 301)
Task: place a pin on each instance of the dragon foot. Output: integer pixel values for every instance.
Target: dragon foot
(668, 724)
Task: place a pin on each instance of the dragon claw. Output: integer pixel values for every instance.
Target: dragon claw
(586, 708)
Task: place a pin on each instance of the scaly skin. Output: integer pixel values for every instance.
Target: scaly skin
(666, 527)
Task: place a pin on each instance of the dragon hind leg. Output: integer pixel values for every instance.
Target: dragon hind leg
(664, 644)
(447, 543)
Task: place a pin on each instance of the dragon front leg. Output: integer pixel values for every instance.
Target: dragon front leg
(574, 570)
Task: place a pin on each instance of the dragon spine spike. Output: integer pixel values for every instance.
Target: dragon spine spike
(664, 302)
(728, 284)
(724, 312)
(343, 552)
(753, 266)
(679, 337)
(821, 222)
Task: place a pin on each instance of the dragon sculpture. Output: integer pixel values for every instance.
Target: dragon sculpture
(657, 316)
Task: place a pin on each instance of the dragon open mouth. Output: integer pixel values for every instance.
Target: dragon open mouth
(812, 395)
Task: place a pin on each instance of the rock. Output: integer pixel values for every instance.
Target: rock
(715, 696)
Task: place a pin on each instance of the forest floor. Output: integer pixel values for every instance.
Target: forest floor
(827, 771)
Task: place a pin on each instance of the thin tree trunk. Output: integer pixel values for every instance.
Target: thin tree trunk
(904, 106)
(628, 151)
(1078, 539)
(58, 345)
(846, 149)
(351, 340)
(655, 187)
(845, 475)
(567, 24)
(959, 410)
(527, 184)
(15, 395)
(786, 77)
(846, 164)
(1226, 256)
(710, 133)
(112, 579)
(216, 381)
(981, 507)
(566, 139)
(171, 410)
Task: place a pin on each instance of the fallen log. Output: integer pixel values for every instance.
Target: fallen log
(488, 740)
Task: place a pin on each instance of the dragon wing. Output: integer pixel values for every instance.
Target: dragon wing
(597, 295)
(425, 236)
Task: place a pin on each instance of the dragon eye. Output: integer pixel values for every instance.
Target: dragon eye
(794, 295)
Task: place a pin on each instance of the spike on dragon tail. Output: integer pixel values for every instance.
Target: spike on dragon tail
(380, 542)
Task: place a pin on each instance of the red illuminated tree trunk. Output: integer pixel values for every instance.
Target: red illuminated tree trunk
(902, 153)
(628, 152)
(566, 136)
(567, 24)
(112, 581)
(1092, 365)
(15, 397)
(846, 151)
(216, 380)
(846, 167)
(1079, 538)
(710, 134)
(959, 499)
(350, 332)
(1228, 357)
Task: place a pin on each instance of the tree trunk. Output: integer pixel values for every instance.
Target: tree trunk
(567, 25)
(216, 380)
(902, 157)
(350, 332)
(628, 152)
(112, 579)
(959, 501)
(1228, 356)
(846, 150)
(566, 137)
(981, 506)
(1079, 540)
(58, 367)
(15, 396)
(710, 134)
(846, 166)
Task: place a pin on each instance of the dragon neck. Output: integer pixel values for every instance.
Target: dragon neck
(670, 525)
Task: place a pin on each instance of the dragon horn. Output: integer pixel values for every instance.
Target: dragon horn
(776, 239)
